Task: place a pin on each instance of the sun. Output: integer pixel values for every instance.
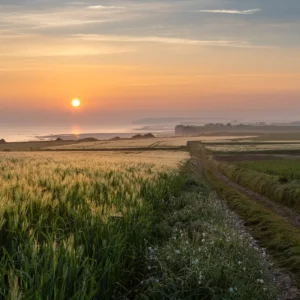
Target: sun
(76, 102)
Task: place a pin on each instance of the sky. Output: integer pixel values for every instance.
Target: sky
(129, 59)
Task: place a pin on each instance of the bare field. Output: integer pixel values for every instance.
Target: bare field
(145, 143)
(253, 148)
(33, 146)
(244, 157)
(276, 137)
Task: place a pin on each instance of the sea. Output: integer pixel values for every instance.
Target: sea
(71, 132)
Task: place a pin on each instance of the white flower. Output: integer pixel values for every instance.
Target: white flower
(239, 262)
(149, 268)
(177, 251)
(260, 281)
(200, 276)
(230, 290)
(168, 257)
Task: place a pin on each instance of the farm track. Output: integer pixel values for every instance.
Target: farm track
(284, 279)
(286, 213)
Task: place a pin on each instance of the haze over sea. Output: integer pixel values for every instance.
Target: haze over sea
(34, 133)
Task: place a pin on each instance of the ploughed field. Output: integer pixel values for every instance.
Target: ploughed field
(121, 226)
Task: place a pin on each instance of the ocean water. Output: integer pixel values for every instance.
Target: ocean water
(39, 133)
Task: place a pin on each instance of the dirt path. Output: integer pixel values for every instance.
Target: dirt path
(288, 214)
(283, 278)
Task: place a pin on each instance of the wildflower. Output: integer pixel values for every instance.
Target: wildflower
(168, 257)
(239, 262)
(177, 251)
(196, 261)
(149, 268)
(200, 276)
(260, 281)
(230, 290)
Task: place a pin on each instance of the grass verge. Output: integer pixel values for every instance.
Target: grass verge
(280, 238)
(268, 185)
(205, 252)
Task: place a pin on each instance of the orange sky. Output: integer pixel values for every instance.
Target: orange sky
(57, 57)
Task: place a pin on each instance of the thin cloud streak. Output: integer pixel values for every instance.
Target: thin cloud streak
(231, 11)
(166, 40)
(102, 7)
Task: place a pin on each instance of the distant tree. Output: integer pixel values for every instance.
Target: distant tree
(116, 138)
(137, 136)
(149, 136)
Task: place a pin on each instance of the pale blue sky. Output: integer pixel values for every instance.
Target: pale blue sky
(141, 58)
(259, 23)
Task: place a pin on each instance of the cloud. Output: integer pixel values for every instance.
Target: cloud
(60, 17)
(165, 40)
(103, 7)
(39, 46)
(231, 11)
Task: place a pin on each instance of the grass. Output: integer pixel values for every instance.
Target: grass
(280, 238)
(91, 226)
(286, 169)
(276, 187)
(208, 254)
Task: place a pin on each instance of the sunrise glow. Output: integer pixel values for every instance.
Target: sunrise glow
(76, 102)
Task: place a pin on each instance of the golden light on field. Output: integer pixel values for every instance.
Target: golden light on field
(76, 102)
